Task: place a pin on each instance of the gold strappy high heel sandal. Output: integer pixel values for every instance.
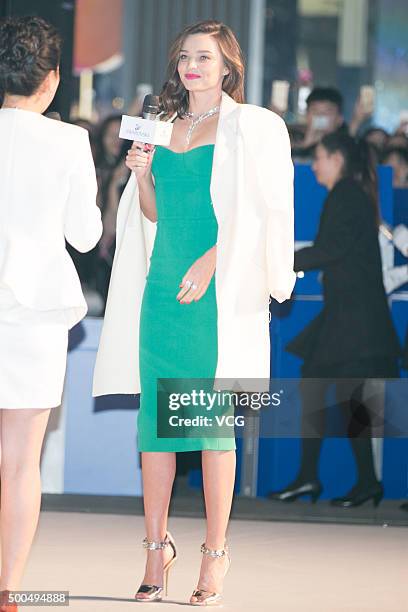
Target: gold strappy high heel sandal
(209, 598)
(155, 592)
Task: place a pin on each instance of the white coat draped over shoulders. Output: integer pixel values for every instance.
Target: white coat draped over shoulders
(252, 195)
(47, 194)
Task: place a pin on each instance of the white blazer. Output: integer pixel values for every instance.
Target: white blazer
(252, 195)
(47, 193)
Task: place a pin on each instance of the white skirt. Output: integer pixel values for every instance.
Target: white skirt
(33, 356)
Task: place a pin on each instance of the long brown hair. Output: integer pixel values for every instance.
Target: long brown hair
(174, 96)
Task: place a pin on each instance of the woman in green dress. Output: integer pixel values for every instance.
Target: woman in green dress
(178, 320)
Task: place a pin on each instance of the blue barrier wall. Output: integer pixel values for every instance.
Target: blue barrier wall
(279, 458)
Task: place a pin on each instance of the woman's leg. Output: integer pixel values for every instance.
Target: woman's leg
(359, 430)
(158, 472)
(218, 481)
(313, 401)
(22, 434)
(313, 388)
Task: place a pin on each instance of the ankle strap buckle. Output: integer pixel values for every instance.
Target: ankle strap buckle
(213, 552)
(154, 545)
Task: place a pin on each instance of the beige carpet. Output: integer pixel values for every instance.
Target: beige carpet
(279, 567)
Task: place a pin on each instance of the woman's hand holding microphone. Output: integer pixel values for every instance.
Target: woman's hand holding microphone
(139, 159)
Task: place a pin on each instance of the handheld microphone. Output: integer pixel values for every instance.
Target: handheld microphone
(150, 107)
(147, 129)
(150, 111)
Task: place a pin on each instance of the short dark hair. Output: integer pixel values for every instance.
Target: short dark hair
(373, 129)
(400, 152)
(29, 48)
(326, 94)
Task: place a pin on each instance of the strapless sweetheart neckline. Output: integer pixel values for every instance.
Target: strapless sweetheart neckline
(185, 152)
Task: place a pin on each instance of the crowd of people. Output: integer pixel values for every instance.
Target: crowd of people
(353, 337)
(324, 115)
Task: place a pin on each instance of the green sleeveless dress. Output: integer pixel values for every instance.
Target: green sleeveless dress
(179, 341)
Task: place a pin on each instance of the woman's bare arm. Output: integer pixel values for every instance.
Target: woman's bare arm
(140, 162)
(147, 198)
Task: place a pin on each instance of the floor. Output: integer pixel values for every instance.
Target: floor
(188, 502)
(276, 566)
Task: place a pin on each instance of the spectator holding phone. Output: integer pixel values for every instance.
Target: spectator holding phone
(324, 115)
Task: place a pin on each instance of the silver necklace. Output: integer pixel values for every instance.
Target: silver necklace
(196, 119)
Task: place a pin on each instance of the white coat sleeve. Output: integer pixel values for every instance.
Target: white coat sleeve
(83, 223)
(276, 176)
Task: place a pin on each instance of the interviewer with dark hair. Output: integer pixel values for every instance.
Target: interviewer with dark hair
(47, 195)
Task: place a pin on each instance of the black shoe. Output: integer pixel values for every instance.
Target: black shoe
(358, 495)
(296, 489)
(404, 506)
